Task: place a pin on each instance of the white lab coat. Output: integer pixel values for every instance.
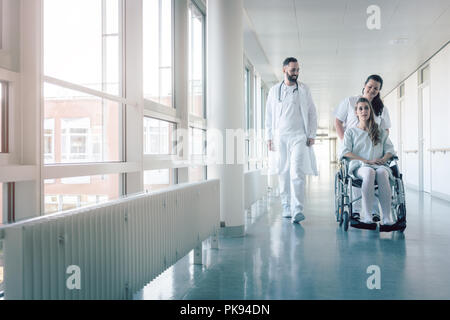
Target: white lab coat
(308, 111)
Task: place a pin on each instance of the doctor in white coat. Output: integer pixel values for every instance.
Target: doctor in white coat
(291, 126)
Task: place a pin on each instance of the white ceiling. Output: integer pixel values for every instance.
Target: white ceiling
(335, 48)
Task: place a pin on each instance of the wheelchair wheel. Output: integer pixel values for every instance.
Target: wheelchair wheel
(346, 220)
(341, 211)
(337, 196)
(401, 215)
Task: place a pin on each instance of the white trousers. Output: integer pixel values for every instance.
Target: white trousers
(369, 176)
(357, 205)
(292, 149)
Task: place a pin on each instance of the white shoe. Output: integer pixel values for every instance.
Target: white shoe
(298, 217)
(366, 220)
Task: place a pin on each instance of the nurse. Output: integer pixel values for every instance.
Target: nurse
(346, 118)
(291, 126)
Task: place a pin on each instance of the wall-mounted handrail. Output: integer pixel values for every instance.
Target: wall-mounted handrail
(444, 150)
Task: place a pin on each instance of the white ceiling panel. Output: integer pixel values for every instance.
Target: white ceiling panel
(335, 48)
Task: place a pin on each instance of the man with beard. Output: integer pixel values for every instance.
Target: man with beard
(291, 125)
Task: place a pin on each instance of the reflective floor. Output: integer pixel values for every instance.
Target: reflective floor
(317, 259)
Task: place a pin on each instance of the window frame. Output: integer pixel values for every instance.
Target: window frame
(120, 167)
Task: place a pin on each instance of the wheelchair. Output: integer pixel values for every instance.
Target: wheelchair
(344, 197)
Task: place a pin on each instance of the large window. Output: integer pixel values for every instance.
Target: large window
(82, 42)
(198, 141)
(197, 173)
(159, 137)
(247, 97)
(79, 127)
(263, 121)
(70, 193)
(196, 102)
(83, 99)
(158, 44)
(159, 179)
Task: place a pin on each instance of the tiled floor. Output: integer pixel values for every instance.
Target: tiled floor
(317, 259)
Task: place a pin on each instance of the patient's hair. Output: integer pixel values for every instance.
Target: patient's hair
(374, 132)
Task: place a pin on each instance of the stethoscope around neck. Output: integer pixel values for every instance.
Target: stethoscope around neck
(281, 85)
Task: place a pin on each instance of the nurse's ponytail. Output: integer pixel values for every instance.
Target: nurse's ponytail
(377, 103)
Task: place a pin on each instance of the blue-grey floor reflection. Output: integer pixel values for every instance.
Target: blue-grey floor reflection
(317, 259)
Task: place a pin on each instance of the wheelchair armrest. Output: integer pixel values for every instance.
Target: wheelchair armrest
(344, 166)
(392, 159)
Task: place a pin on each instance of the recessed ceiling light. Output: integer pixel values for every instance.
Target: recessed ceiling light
(399, 41)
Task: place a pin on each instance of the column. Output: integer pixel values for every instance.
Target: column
(225, 96)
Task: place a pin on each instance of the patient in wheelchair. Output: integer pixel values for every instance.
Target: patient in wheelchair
(369, 148)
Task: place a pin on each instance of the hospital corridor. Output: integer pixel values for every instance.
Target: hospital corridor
(277, 260)
(224, 150)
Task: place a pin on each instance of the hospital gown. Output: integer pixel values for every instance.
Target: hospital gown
(358, 142)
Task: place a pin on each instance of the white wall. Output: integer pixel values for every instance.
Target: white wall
(440, 121)
(410, 122)
(410, 133)
(390, 102)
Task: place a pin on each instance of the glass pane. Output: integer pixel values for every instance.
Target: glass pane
(246, 97)
(70, 193)
(166, 33)
(112, 14)
(112, 57)
(74, 35)
(157, 24)
(263, 108)
(196, 62)
(79, 127)
(159, 137)
(158, 179)
(49, 140)
(197, 174)
(198, 140)
(165, 95)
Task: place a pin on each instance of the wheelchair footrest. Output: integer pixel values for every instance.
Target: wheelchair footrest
(362, 225)
(398, 226)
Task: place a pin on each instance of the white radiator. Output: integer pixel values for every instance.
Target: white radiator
(255, 187)
(119, 247)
